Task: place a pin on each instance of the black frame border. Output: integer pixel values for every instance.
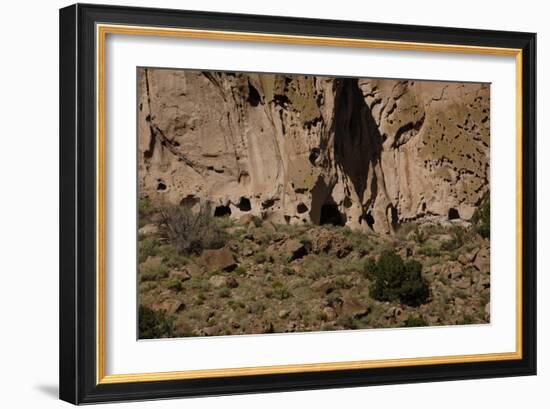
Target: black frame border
(78, 197)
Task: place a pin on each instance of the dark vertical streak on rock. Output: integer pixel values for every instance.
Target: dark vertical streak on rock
(357, 141)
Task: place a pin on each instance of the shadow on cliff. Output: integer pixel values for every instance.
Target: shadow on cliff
(357, 144)
(357, 141)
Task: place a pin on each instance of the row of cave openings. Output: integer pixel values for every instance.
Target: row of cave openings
(330, 214)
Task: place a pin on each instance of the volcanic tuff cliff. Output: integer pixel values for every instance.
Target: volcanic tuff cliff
(368, 153)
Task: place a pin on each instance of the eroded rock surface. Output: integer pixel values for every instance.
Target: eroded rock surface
(366, 153)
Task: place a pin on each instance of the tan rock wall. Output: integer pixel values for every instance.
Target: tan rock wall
(376, 152)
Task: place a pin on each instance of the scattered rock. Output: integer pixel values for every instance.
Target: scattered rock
(219, 260)
(151, 268)
(283, 314)
(293, 249)
(211, 331)
(355, 308)
(182, 275)
(219, 281)
(330, 313)
(148, 230)
(454, 271)
(323, 285)
(471, 255)
(170, 306)
(267, 328)
(482, 260)
(326, 241)
(463, 283)
(405, 252)
(466, 211)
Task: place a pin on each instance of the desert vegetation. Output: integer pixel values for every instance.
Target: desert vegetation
(201, 275)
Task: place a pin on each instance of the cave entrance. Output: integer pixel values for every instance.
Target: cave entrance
(331, 215)
(370, 220)
(453, 214)
(222, 211)
(244, 204)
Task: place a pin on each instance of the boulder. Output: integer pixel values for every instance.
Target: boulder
(323, 285)
(293, 249)
(463, 283)
(326, 241)
(219, 281)
(148, 229)
(170, 306)
(354, 308)
(219, 260)
(182, 275)
(482, 260)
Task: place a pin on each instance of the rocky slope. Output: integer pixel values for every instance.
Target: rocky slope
(296, 278)
(293, 149)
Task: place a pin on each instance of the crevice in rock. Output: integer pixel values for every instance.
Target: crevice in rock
(410, 129)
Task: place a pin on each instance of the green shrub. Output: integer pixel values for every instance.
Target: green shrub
(153, 271)
(481, 219)
(260, 257)
(224, 222)
(317, 265)
(145, 207)
(148, 246)
(457, 241)
(468, 320)
(430, 251)
(346, 321)
(413, 321)
(240, 271)
(224, 293)
(191, 232)
(170, 256)
(280, 291)
(360, 243)
(287, 271)
(155, 324)
(174, 284)
(419, 236)
(396, 280)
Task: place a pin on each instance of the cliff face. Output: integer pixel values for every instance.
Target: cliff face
(366, 153)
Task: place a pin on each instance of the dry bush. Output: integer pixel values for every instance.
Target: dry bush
(191, 232)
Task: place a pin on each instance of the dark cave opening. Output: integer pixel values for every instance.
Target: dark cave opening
(394, 217)
(331, 215)
(244, 205)
(221, 211)
(369, 219)
(161, 185)
(301, 208)
(453, 214)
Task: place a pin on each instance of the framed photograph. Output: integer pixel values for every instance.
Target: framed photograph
(257, 203)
